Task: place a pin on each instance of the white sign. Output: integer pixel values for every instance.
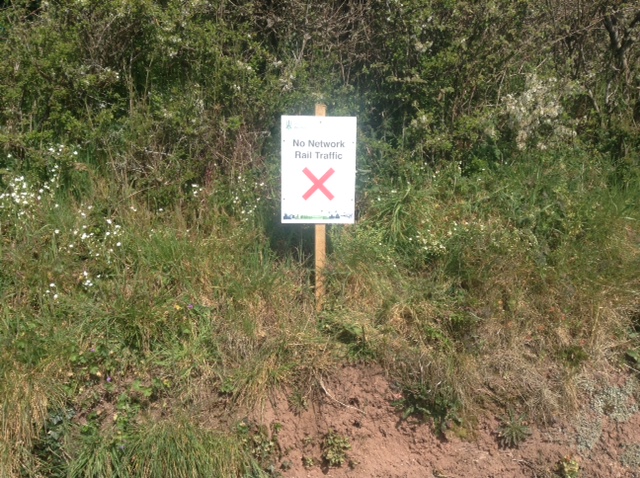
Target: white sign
(318, 169)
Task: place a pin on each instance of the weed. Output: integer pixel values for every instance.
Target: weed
(298, 402)
(437, 402)
(50, 447)
(574, 355)
(352, 334)
(632, 356)
(96, 363)
(334, 448)
(568, 467)
(261, 443)
(513, 430)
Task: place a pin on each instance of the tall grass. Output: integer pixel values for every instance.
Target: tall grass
(474, 289)
(173, 448)
(510, 270)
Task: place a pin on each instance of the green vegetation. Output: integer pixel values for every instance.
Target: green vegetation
(334, 448)
(513, 430)
(568, 467)
(429, 401)
(145, 274)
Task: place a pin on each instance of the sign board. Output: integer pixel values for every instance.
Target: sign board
(318, 169)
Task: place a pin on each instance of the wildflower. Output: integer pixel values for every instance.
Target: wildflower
(190, 306)
(109, 379)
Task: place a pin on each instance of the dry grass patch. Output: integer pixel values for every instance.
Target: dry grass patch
(26, 395)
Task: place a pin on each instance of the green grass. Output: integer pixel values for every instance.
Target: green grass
(170, 448)
(519, 276)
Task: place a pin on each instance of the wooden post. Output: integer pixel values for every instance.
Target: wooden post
(321, 235)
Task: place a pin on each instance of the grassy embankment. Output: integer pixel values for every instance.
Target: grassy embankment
(145, 276)
(490, 290)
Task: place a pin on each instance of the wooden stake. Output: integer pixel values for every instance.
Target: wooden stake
(321, 235)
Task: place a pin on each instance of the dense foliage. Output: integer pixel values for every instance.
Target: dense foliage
(170, 91)
(145, 270)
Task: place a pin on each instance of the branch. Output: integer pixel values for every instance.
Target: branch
(635, 21)
(613, 34)
(324, 389)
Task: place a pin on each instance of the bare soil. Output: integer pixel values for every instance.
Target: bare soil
(602, 438)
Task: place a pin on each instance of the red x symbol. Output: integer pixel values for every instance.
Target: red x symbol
(318, 183)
